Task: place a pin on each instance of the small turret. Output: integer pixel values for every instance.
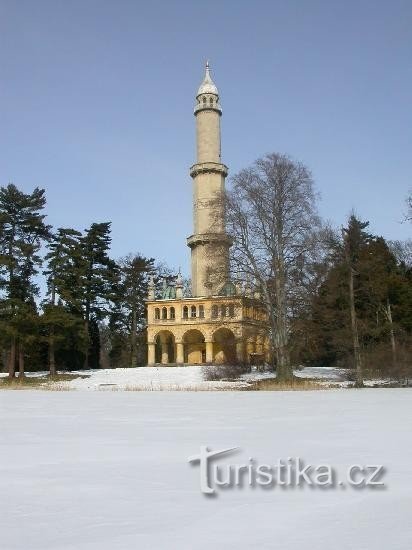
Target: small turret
(151, 289)
(179, 286)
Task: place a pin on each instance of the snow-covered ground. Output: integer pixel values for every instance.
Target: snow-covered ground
(148, 378)
(186, 379)
(108, 470)
(189, 378)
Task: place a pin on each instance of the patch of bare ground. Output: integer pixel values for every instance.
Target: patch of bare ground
(296, 384)
(46, 382)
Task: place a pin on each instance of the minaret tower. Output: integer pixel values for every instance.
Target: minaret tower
(209, 243)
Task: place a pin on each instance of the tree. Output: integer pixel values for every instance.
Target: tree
(84, 278)
(98, 280)
(64, 261)
(272, 218)
(402, 250)
(23, 231)
(135, 270)
(409, 207)
(354, 238)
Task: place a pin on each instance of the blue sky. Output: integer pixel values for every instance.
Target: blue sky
(96, 106)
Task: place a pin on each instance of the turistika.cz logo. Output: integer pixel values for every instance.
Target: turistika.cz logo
(285, 473)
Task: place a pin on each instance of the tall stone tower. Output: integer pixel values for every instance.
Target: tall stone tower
(219, 321)
(209, 243)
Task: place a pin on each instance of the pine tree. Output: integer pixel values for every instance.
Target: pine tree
(63, 273)
(98, 282)
(23, 231)
(134, 270)
(354, 239)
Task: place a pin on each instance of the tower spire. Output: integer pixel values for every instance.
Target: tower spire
(209, 242)
(207, 86)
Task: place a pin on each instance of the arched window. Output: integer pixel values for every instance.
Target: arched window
(193, 311)
(202, 312)
(172, 314)
(157, 313)
(215, 312)
(224, 311)
(185, 312)
(211, 101)
(164, 313)
(204, 101)
(231, 310)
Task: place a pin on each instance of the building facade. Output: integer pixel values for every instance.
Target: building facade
(218, 322)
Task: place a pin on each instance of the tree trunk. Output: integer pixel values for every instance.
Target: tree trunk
(355, 337)
(133, 338)
(284, 370)
(21, 361)
(12, 358)
(52, 359)
(391, 333)
(86, 353)
(272, 322)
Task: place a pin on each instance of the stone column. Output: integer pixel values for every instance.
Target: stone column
(240, 350)
(259, 345)
(151, 355)
(165, 353)
(209, 352)
(179, 353)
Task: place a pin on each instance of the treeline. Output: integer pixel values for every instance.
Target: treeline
(333, 297)
(92, 313)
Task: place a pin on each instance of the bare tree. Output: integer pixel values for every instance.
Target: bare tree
(402, 251)
(272, 218)
(409, 207)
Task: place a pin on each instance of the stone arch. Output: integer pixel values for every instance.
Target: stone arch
(224, 346)
(165, 347)
(194, 347)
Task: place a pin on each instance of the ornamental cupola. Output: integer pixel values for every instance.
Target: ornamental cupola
(207, 95)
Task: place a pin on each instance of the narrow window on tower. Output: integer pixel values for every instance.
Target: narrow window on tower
(193, 311)
(157, 313)
(201, 312)
(224, 311)
(215, 312)
(172, 313)
(164, 313)
(231, 310)
(185, 312)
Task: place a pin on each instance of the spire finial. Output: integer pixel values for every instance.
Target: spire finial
(207, 65)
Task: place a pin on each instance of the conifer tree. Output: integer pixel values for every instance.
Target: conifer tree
(23, 231)
(134, 270)
(354, 239)
(98, 281)
(62, 309)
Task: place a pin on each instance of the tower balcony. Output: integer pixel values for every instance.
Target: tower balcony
(206, 238)
(209, 167)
